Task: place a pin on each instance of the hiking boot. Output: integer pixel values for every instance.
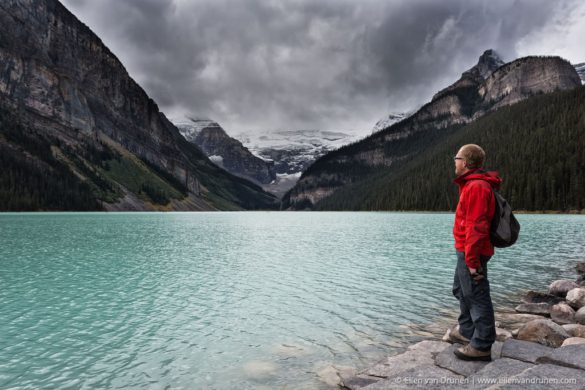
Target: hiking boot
(469, 353)
(457, 337)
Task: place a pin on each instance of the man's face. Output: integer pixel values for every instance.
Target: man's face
(460, 164)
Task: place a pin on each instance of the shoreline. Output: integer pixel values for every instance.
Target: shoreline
(540, 341)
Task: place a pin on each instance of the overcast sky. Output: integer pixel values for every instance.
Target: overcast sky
(320, 64)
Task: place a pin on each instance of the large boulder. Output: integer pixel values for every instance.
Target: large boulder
(569, 356)
(576, 298)
(539, 297)
(573, 341)
(544, 332)
(561, 287)
(525, 351)
(561, 313)
(575, 330)
(580, 316)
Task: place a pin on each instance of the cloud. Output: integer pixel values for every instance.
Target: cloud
(305, 64)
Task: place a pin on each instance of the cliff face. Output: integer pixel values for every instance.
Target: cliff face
(482, 89)
(524, 77)
(65, 84)
(227, 152)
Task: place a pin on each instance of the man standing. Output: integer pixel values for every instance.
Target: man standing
(471, 287)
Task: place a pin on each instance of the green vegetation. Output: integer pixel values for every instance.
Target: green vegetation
(41, 173)
(31, 178)
(537, 145)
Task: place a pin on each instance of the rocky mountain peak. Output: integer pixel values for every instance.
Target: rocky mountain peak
(488, 62)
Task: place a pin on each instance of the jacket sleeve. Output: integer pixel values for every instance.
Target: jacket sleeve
(477, 222)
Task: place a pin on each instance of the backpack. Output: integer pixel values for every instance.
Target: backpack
(505, 227)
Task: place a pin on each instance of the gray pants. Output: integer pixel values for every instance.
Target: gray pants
(476, 319)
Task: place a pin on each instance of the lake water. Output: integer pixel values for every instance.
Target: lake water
(236, 300)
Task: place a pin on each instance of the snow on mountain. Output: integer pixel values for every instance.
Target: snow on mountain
(389, 120)
(580, 68)
(191, 127)
(294, 150)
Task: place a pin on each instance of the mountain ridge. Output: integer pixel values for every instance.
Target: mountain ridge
(65, 85)
(462, 102)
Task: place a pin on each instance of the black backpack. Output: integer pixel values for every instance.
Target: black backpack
(505, 227)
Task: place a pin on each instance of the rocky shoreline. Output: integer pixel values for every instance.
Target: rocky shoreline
(540, 345)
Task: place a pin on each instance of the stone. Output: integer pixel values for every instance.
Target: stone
(544, 332)
(448, 360)
(573, 340)
(358, 381)
(525, 351)
(497, 349)
(416, 355)
(544, 376)
(540, 297)
(561, 313)
(580, 316)
(561, 287)
(542, 309)
(424, 376)
(333, 374)
(569, 356)
(501, 368)
(576, 298)
(513, 320)
(580, 267)
(503, 334)
(575, 330)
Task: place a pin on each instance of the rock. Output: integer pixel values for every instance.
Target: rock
(501, 368)
(416, 355)
(424, 376)
(503, 334)
(543, 376)
(333, 374)
(576, 298)
(561, 287)
(544, 332)
(573, 340)
(580, 316)
(569, 356)
(515, 333)
(358, 381)
(561, 313)
(524, 350)
(575, 330)
(540, 297)
(513, 320)
(448, 360)
(580, 267)
(542, 309)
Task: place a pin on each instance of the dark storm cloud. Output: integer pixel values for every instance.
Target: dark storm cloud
(329, 64)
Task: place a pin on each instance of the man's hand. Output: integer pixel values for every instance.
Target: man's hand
(477, 276)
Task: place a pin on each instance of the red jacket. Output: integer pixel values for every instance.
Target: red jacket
(474, 214)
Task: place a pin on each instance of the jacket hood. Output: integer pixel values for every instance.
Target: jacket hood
(491, 177)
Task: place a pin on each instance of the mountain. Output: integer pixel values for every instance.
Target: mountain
(292, 151)
(475, 94)
(226, 151)
(77, 132)
(580, 68)
(536, 145)
(389, 120)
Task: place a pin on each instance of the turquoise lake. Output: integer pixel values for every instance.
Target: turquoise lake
(236, 300)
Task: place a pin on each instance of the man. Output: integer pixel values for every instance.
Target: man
(471, 287)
